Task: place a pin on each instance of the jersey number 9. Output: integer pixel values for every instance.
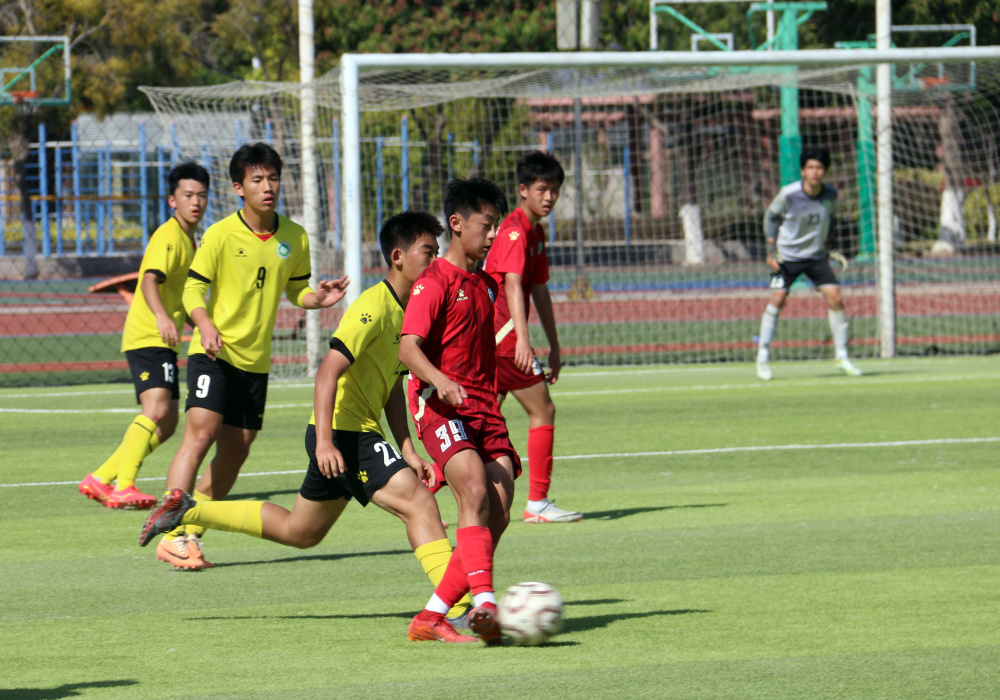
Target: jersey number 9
(261, 275)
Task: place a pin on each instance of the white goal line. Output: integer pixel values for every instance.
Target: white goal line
(661, 453)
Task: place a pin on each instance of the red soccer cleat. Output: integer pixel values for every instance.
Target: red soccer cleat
(91, 487)
(433, 627)
(483, 621)
(130, 498)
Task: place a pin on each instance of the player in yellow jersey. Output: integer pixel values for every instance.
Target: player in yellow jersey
(150, 341)
(247, 261)
(348, 453)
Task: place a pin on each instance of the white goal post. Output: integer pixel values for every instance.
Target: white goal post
(354, 66)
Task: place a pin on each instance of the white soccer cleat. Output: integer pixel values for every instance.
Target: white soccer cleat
(551, 514)
(764, 370)
(848, 368)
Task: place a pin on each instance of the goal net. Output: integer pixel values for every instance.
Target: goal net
(656, 244)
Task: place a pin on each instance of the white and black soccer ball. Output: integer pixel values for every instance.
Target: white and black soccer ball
(530, 613)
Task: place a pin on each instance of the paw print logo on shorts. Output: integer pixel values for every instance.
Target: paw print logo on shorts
(366, 318)
(144, 376)
(363, 476)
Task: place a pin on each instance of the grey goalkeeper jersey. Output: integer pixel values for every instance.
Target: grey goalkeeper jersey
(799, 223)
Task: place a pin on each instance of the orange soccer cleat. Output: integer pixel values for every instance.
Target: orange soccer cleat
(433, 627)
(179, 553)
(483, 621)
(130, 498)
(91, 487)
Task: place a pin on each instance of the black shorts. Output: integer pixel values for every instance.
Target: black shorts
(153, 368)
(235, 393)
(817, 269)
(370, 461)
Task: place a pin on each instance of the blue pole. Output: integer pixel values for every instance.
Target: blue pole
(451, 154)
(59, 205)
(162, 181)
(475, 153)
(628, 197)
(206, 162)
(239, 133)
(552, 214)
(337, 223)
(405, 135)
(378, 178)
(175, 151)
(267, 131)
(109, 224)
(99, 233)
(77, 204)
(143, 185)
(43, 190)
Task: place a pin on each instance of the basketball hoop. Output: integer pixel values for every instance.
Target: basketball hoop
(24, 100)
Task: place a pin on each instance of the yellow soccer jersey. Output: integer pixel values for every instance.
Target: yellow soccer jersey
(368, 335)
(169, 254)
(247, 276)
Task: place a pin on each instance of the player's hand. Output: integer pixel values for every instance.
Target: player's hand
(211, 339)
(329, 459)
(329, 292)
(524, 356)
(424, 471)
(451, 393)
(168, 331)
(772, 263)
(555, 364)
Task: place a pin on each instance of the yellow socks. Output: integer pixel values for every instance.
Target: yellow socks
(198, 529)
(146, 430)
(134, 449)
(231, 516)
(434, 557)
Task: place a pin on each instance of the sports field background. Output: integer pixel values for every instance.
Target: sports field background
(817, 536)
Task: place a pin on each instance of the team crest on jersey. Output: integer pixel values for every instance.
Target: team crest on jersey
(461, 295)
(493, 298)
(365, 318)
(284, 250)
(514, 235)
(170, 247)
(416, 290)
(241, 252)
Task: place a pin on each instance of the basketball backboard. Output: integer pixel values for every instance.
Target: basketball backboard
(34, 71)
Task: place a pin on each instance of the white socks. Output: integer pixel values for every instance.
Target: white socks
(838, 326)
(767, 325)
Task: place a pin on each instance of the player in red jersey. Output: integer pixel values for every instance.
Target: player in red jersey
(518, 263)
(448, 346)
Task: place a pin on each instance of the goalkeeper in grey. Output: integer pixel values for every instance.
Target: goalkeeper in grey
(799, 230)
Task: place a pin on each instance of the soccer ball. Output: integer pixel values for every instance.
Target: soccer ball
(530, 613)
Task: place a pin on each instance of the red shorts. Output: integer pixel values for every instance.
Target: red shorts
(510, 378)
(445, 433)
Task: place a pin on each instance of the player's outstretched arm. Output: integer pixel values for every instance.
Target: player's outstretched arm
(328, 293)
(150, 285)
(328, 457)
(416, 361)
(547, 317)
(397, 416)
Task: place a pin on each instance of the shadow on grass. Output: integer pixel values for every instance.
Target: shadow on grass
(408, 615)
(67, 690)
(315, 557)
(625, 512)
(260, 495)
(581, 624)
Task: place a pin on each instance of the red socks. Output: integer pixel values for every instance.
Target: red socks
(539, 462)
(470, 566)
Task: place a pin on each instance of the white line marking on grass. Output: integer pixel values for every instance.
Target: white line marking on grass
(663, 453)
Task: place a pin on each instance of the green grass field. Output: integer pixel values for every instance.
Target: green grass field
(815, 537)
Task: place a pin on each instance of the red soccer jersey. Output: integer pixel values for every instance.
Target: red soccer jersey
(519, 248)
(452, 310)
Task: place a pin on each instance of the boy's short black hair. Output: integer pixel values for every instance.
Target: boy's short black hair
(187, 171)
(815, 153)
(402, 231)
(251, 155)
(468, 197)
(539, 165)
